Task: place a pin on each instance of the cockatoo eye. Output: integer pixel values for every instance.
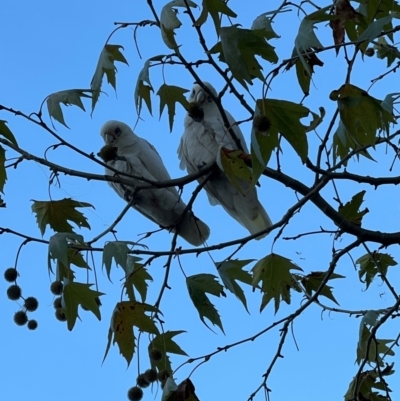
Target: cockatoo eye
(117, 132)
(209, 99)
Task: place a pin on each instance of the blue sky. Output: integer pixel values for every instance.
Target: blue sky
(52, 46)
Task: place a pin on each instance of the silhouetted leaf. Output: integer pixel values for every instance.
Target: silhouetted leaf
(67, 97)
(75, 294)
(56, 214)
(273, 272)
(231, 271)
(372, 265)
(169, 96)
(215, 8)
(198, 285)
(126, 315)
(106, 65)
(169, 21)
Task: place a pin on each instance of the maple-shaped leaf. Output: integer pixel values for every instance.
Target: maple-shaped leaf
(263, 24)
(67, 97)
(56, 214)
(343, 143)
(273, 272)
(231, 271)
(304, 68)
(312, 281)
(60, 243)
(345, 12)
(372, 265)
(142, 91)
(136, 277)
(306, 38)
(117, 250)
(233, 165)
(215, 8)
(376, 350)
(285, 119)
(6, 132)
(126, 315)
(198, 285)
(169, 21)
(108, 56)
(365, 382)
(3, 173)
(361, 114)
(164, 343)
(238, 48)
(374, 29)
(351, 210)
(75, 294)
(384, 50)
(169, 96)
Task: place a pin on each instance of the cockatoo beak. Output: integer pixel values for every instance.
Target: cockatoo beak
(201, 97)
(113, 135)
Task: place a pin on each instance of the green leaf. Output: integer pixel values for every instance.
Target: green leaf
(165, 344)
(6, 132)
(343, 143)
(232, 270)
(306, 38)
(312, 281)
(372, 265)
(232, 162)
(361, 114)
(59, 244)
(117, 250)
(169, 21)
(285, 118)
(75, 294)
(350, 211)
(56, 214)
(263, 24)
(238, 49)
(214, 8)
(108, 56)
(142, 91)
(376, 347)
(126, 315)
(384, 50)
(169, 95)
(198, 285)
(67, 97)
(374, 29)
(136, 277)
(274, 273)
(3, 173)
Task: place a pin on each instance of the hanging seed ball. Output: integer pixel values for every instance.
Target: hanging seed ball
(369, 52)
(150, 375)
(14, 292)
(135, 393)
(155, 354)
(261, 123)
(32, 325)
(142, 382)
(20, 318)
(56, 287)
(11, 274)
(60, 315)
(31, 304)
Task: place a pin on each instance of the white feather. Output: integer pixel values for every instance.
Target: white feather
(137, 157)
(201, 144)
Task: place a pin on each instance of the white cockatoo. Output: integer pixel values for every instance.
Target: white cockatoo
(130, 154)
(204, 137)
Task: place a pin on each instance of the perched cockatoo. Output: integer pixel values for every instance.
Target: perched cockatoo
(205, 134)
(130, 154)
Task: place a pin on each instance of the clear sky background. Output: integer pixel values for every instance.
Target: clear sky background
(52, 46)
